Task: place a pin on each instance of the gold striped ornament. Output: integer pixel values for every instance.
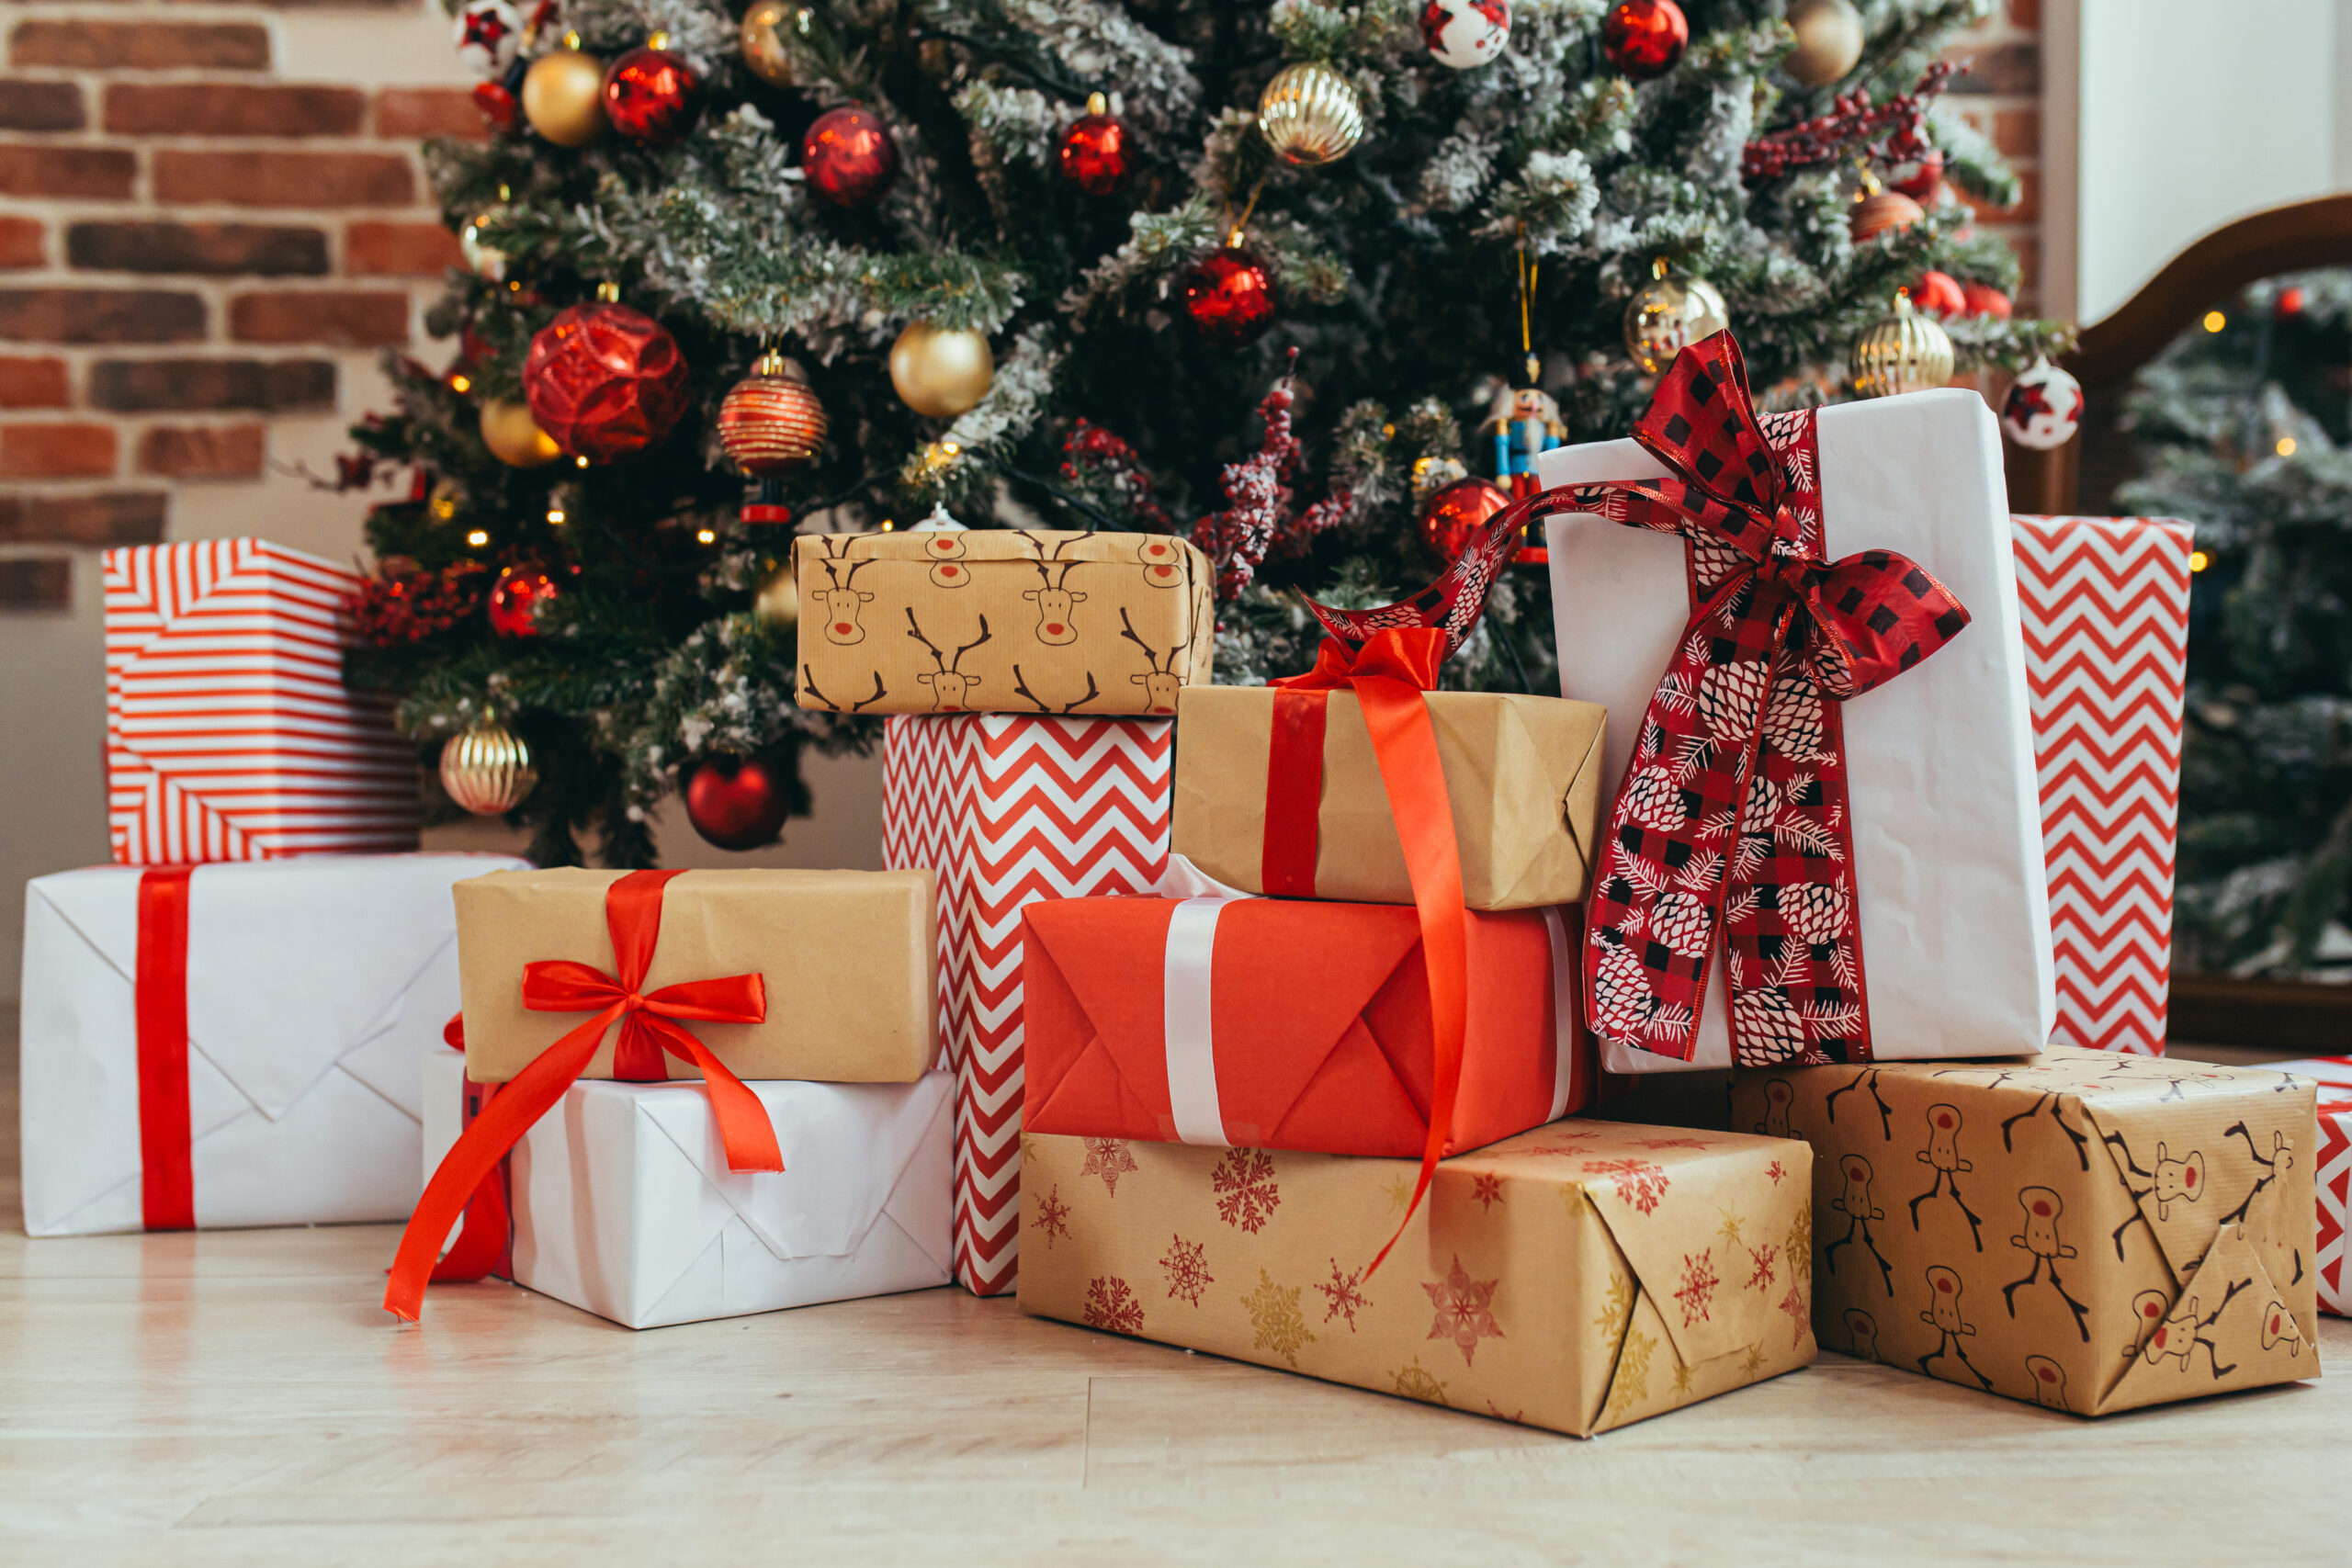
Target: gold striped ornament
(771, 423)
(1904, 352)
(488, 769)
(1310, 115)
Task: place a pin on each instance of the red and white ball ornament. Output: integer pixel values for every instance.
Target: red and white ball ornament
(651, 95)
(848, 157)
(489, 34)
(1465, 33)
(605, 381)
(2044, 408)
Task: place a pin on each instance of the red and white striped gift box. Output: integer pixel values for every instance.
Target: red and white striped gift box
(230, 734)
(1009, 809)
(2105, 605)
(2334, 1175)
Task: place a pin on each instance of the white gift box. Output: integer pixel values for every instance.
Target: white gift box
(314, 987)
(1948, 869)
(623, 1204)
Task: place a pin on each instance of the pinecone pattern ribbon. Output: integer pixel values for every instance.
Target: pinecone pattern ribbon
(1733, 812)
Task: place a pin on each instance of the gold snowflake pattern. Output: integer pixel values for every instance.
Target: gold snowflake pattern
(1110, 1305)
(1764, 1272)
(1415, 1382)
(1488, 1189)
(1682, 1380)
(1754, 1363)
(1275, 1321)
(1637, 1181)
(1108, 1158)
(1464, 1310)
(1345, 1295)
(1052, 1216)
(1618, 1310)
(1187, 1270)
(1729, 1229)
(1398, 1192)
(1799, 1241)
(1633, 1383)
(1243, 1185)
(1697, 1291)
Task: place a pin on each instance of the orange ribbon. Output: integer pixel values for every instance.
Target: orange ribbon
(649, 1027)
(1388, 673)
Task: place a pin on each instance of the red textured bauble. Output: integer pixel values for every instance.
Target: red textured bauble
(1644, 38)
(653, 97)
(515, 601)
(1098, 155)
(848, 157)
(1455, 513)
(771, 423)
(1228, 296)
(736, 803)
(1983, 300)
(605, 381)
(1939, 294)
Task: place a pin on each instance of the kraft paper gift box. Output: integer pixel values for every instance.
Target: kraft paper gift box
(2333, 1174)
(1581, 1277)
(1289, 1025)
(232, 1044)
(2105, 605)
(230, 734)
(623, 1205)
(1008, 810)
(2088, 1230)
(846, 958)
(1522, 773)
(1000, 620)
(1945, 835)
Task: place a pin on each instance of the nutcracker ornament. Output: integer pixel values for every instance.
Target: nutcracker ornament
(1523, 424)
(489, 34)
(604, 380)
(848, 158)
(1465, 33)
(2044, 408)
(651, 95)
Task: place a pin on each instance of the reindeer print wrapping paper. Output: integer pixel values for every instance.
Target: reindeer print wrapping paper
(1578, 1277)
(848, 959)
(999, 620)
(2088, 1231)
(1522, 773)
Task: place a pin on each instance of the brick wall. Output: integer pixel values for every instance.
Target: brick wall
(2001, 95)
(212, 219)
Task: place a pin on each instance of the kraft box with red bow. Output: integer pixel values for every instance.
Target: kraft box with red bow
(1007, 809)
(234, 1044)
(229, 733)
(622, 1203)
(1826, 842)
(2333, 1076)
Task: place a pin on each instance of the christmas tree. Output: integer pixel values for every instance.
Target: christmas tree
(2245, 428)
(1033, 262)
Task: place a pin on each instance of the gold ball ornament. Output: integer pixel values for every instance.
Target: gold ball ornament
(1902, 351)
(488, 769)
(761, 40)
(1668, 315)
(778, 602)
(941, 371)
(1310, 115)
(1829, 41)
(1881, 211)
(563, 98)
(513, 437)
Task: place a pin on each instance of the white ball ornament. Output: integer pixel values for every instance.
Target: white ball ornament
(1465, 33)
(490, 36)
(2044, 408)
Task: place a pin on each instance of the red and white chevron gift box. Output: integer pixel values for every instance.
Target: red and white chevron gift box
(230, 734)
(2104, 606)
(1009, 808)
(2335, 1176)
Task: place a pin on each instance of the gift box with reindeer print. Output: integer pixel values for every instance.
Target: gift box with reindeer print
(2090, 1231)
(999, 620)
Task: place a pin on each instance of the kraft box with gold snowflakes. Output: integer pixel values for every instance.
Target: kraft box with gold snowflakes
(999, 620)
(1580, 1277)
(2090, 1231)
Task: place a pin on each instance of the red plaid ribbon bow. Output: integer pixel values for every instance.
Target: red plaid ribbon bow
(1734, 809)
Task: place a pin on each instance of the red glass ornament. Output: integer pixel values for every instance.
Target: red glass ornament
(1925, 176)
(1098, 155)
(1456, 512)
(1644, 38)
(497, 105)
(605, 381)
(1939, 294)
(769, 423)
(1228, 296)
(736, 803)
(653, 97)
(2290, 303)
(514, 601)
(1983, 300)
(848, 157)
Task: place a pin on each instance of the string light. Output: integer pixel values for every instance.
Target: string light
(2286, 447)
(580, 462)
(477, 539)
(2199, 560)
(2215, 321)
(555, 517)
(706, 536)
(461, 384)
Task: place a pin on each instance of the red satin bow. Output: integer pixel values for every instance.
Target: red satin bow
(1388, 673)
(1734, 810)
(649, 1027)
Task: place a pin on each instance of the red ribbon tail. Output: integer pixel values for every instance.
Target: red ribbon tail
(457, 1184)
(744, 1130)
(482, 1241)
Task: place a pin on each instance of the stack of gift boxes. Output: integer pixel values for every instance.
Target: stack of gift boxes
(1319, 1025)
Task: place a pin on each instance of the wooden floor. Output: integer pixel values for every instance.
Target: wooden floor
(238, 1398)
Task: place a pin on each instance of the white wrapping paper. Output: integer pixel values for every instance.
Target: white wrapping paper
(624, 1206)
(315, 984)
(1947, 853)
